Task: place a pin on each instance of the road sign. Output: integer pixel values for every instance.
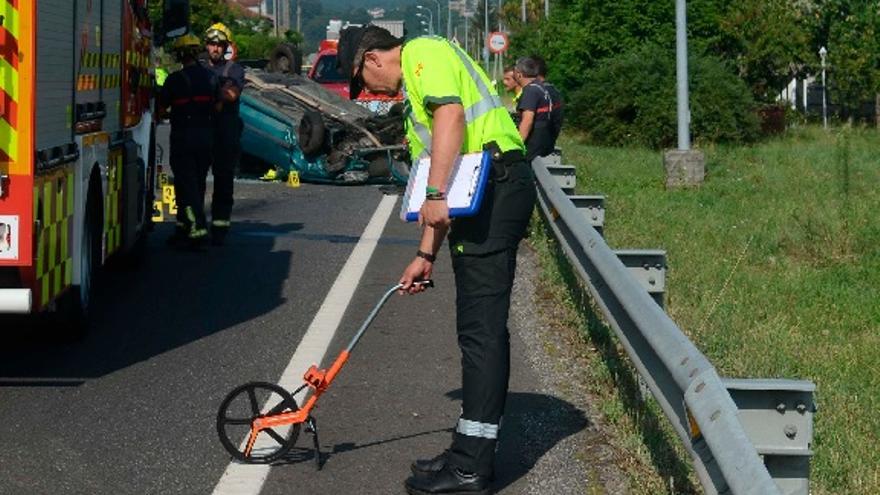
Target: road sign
(497, 42)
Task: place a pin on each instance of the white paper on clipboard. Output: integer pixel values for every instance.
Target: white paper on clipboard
(464, 191)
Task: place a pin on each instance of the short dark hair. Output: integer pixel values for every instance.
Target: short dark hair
(509, 68)
(527, 67)
(542, 65)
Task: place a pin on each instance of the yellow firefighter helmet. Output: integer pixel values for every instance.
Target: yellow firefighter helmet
(188, 42)
(218, 33)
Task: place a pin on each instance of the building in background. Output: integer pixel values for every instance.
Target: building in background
(280, 12)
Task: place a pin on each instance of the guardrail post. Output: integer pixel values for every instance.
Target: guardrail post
(593, 208)
(564, 176)
(554, 158)
(648, 266)
(777, 415)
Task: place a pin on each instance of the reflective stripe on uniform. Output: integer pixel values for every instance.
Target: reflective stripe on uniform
(470, 428)
(477, 101)
(220, 223)
(488, 101)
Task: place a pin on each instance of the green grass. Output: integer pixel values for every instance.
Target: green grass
(774, 271)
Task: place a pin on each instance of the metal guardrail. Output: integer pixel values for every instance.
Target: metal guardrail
(746, 436)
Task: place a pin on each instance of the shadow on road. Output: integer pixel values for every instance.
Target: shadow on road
(533, 424)
(171, 299)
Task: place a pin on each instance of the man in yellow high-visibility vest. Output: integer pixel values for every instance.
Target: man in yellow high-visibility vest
(452, 108)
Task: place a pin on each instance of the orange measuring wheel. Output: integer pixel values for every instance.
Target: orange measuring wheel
(259, 422)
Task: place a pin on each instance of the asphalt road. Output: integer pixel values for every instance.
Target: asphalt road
(131, 408)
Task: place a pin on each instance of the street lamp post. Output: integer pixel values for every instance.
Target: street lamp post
(438, 16)
(430, 17)
(822, 54)
(427, 27)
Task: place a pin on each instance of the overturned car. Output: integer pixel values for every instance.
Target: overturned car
(294, 124)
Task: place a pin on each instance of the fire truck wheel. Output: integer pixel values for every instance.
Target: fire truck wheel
(74, 307)
(311, 133)
(286, 58)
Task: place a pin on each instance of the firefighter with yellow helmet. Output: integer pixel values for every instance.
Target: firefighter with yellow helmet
(227, 127)
(190, 93)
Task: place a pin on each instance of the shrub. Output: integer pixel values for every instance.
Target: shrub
(630, 99)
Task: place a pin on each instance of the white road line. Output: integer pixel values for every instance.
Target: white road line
(242, 479)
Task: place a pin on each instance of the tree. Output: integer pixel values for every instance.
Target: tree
(768, 40)
(849, 30)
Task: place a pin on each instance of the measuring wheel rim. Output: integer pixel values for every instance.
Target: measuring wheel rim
(241, 407)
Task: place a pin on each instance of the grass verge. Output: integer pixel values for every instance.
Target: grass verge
(774, 272)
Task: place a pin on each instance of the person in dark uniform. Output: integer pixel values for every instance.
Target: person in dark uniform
(557, 115)
(191, 94)
(534, 108)
(228, 127)
(453, 108)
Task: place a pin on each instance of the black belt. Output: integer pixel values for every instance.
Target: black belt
(502, 160)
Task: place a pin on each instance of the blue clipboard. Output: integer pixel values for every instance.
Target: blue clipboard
(464, 191)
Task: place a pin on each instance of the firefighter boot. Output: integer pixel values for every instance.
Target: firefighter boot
(448, 481)
(197, 240)
(198, 235)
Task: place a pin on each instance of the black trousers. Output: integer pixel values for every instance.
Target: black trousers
(190, 158)
(484, 267)
(227, 155)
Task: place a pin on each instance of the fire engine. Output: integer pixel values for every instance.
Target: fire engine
(76, 147)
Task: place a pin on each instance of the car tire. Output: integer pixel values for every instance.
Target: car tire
(311, 133)
(285, 58)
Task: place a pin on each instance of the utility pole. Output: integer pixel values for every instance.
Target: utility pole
(449, 19)
(299, 15)
(486, 35)
(681, 75)
(822, 54)
(684, 167)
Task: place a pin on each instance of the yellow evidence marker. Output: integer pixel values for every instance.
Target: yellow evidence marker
(293, 179)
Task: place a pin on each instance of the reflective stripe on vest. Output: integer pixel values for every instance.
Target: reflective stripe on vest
(484, 105)
(488, 101)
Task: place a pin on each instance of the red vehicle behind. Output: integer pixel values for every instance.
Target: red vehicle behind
(325, 73)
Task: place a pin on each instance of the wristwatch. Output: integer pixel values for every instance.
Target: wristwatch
(427, 256)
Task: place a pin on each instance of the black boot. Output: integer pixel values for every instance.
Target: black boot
(448, 481)
(424, 467)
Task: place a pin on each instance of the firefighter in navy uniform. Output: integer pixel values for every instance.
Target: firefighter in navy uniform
(228, 127)
(191, 94)
(453, 108)
(534, 108)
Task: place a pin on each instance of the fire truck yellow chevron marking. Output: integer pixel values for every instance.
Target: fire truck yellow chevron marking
(8, 140)
(8, 79)
(54, 262)
(10, 17)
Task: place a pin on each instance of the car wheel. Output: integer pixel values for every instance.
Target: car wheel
(311, 133)
(286, 58)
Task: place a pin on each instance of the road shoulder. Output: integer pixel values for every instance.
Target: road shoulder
(582, 460)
